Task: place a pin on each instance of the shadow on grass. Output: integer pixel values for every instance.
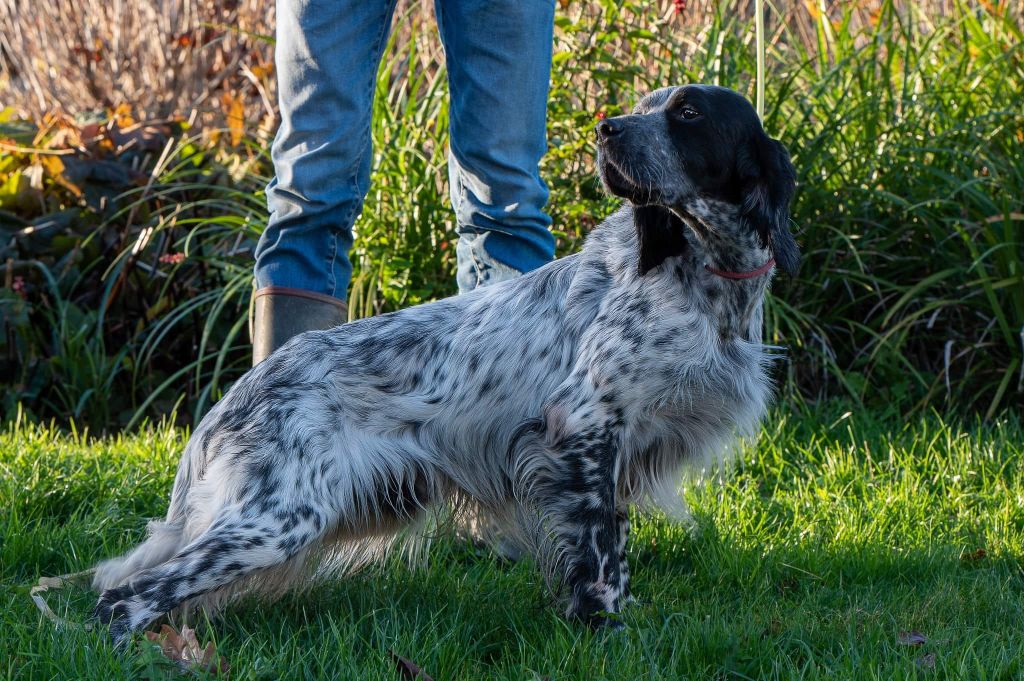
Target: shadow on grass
(497, 608)
(709, 602)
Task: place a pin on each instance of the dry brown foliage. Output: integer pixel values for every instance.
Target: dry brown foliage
(215, 57)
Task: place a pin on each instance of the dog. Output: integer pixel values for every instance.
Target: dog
(549, 404)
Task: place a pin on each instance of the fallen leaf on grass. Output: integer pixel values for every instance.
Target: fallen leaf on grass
(408, 669)
(183, 649)
(911, 638)
(773, 629)
(926, 661)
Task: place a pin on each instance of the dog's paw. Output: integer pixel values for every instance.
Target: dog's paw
(605, 621)
(597, 619)
(629, 601)
(114, 610)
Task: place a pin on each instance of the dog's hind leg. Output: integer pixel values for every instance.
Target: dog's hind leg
(234, 546)
(164, 540)
(166, 537)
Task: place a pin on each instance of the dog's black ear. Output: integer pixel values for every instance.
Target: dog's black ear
(660, 234)
(769, 181)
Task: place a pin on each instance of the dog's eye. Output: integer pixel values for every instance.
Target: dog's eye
(689, 113)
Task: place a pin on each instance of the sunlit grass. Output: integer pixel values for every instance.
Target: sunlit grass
(839, 532)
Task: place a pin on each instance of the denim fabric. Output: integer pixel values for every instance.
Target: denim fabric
(499, 62)
(476, 266)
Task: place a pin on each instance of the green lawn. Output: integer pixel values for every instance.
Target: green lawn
(840, 532)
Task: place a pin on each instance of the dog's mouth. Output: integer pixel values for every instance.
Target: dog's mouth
(619, 182)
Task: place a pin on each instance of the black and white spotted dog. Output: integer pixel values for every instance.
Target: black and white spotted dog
(549, 404)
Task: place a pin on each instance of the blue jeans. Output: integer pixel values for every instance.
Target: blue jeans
(499, 66)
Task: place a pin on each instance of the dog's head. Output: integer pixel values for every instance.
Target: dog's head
(682, 145)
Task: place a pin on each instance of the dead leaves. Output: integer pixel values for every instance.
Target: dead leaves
(233, 106)
(184, 650)
(189, 657)
(61, 163)
(911, 638)
(915, 639)
(926, 661)
(408, 669)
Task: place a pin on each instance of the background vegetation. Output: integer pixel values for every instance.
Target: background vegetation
(132, 171)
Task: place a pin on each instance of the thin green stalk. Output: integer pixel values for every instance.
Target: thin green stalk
(759, 23)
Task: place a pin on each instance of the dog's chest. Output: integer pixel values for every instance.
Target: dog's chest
(674, 369)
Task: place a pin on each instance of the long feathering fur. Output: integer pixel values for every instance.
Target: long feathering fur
(544, 407)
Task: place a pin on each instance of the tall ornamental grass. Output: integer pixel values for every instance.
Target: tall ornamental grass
(904, 121)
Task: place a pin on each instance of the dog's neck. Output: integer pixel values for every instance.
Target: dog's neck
(721, 240)
(728, 244)
(715, 236)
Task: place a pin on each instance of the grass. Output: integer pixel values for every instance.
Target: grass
(838, 533)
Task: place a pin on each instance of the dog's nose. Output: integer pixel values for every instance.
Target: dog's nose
(609, 128)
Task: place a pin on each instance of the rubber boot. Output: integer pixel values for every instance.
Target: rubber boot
(278, 313)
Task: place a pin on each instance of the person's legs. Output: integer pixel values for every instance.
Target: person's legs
(498, 54)
(327, 55)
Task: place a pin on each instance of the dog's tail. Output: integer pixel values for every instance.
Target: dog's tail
(165, 538)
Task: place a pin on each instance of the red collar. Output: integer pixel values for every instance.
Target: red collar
(742, 275)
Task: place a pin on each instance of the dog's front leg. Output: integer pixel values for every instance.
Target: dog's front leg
(581, 501)
(622, 525)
